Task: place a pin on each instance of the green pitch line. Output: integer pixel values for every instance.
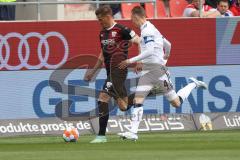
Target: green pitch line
(221, 145)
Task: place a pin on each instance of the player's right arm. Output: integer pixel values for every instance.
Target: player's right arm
(91, 72)
(144, 54)
(148, 40)
(136, 40)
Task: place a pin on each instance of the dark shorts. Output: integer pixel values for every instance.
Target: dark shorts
(115, 83)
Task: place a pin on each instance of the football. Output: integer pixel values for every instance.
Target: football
(71, 135)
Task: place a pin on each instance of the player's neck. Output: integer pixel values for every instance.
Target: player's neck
(111, 25)
(142, 22)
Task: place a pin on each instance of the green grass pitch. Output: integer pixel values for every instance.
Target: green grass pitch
(216, 145)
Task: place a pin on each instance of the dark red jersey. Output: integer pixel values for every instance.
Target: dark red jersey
(115, 44)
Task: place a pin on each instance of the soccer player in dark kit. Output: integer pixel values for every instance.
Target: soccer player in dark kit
(115, 40)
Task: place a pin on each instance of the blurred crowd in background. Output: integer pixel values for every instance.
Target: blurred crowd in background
(165, 9)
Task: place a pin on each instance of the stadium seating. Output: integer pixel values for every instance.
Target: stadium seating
(126, 9)
(161, 12)
(79, 11)
(177, 7)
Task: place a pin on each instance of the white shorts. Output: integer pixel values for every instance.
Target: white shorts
(156, 78)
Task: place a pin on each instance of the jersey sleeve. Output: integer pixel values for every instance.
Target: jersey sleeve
(127, 33)
(145, 54)
(148, 39)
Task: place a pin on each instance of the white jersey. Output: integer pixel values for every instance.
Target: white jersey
(153, 49)
(153, 45)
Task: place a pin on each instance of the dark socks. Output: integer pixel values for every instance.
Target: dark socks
(137, 105)
(130, 101)
(103, 117)
(181, 100)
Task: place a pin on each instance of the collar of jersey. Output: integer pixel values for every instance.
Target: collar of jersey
(111, 26)
(143, 26)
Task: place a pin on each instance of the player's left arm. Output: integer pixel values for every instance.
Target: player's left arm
(167, 48)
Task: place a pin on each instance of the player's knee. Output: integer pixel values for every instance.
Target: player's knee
(176, 104)
(138, 100)
(103, 97)
(122, 103)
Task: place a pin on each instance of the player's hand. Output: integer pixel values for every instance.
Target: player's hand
(124, 64)
(88, 76)
(165, 57)
(138, 68)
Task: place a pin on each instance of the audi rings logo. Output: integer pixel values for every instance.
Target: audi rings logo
(24, 44)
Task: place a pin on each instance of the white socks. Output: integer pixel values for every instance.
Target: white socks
(184, 92)
(137, 114)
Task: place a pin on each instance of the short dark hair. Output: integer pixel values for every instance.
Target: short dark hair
(226, 1)
(104, 10)
(138, 10)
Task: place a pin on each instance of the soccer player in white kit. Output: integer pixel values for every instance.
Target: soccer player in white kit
(155, 51)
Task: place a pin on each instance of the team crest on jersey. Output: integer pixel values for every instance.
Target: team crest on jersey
(114, 34)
